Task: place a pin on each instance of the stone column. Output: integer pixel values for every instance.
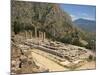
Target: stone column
(31, 35)
(39, 34)
(25, 34)
(30, 32)
(35, 32)
(39, 38)
(43, 36)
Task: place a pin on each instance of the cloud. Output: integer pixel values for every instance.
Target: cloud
(82, 15)
(73, 17)
(87, 16)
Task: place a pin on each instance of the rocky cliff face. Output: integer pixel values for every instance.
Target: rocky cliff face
(46, 17)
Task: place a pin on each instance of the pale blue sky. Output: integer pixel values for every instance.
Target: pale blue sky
(80, 11)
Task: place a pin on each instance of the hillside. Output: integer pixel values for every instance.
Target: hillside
(44, 39)
(87, 25)
(46, 17)
(51, 19)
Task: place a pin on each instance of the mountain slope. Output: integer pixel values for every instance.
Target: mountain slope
(87, 25)
(46, 17)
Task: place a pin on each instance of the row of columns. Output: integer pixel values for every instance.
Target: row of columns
(28, 35)
(42, 35)
(38, 34)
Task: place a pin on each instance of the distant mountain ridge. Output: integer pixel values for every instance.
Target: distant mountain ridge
(87, 25)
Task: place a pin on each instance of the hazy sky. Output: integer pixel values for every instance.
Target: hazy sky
(80, 11)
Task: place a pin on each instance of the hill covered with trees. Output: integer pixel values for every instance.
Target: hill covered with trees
(47, 17)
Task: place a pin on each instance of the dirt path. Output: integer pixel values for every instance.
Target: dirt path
(88, 65)
(51, 65)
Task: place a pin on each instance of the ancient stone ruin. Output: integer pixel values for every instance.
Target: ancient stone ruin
(23, 62)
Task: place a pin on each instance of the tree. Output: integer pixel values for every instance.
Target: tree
(91, 45)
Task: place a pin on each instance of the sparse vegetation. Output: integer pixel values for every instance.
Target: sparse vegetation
(91, 58)
(49, 18)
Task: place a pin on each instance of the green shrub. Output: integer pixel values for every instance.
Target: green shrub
(90, 58)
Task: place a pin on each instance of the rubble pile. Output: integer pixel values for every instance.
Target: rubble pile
(22, 60)
(66, 51)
